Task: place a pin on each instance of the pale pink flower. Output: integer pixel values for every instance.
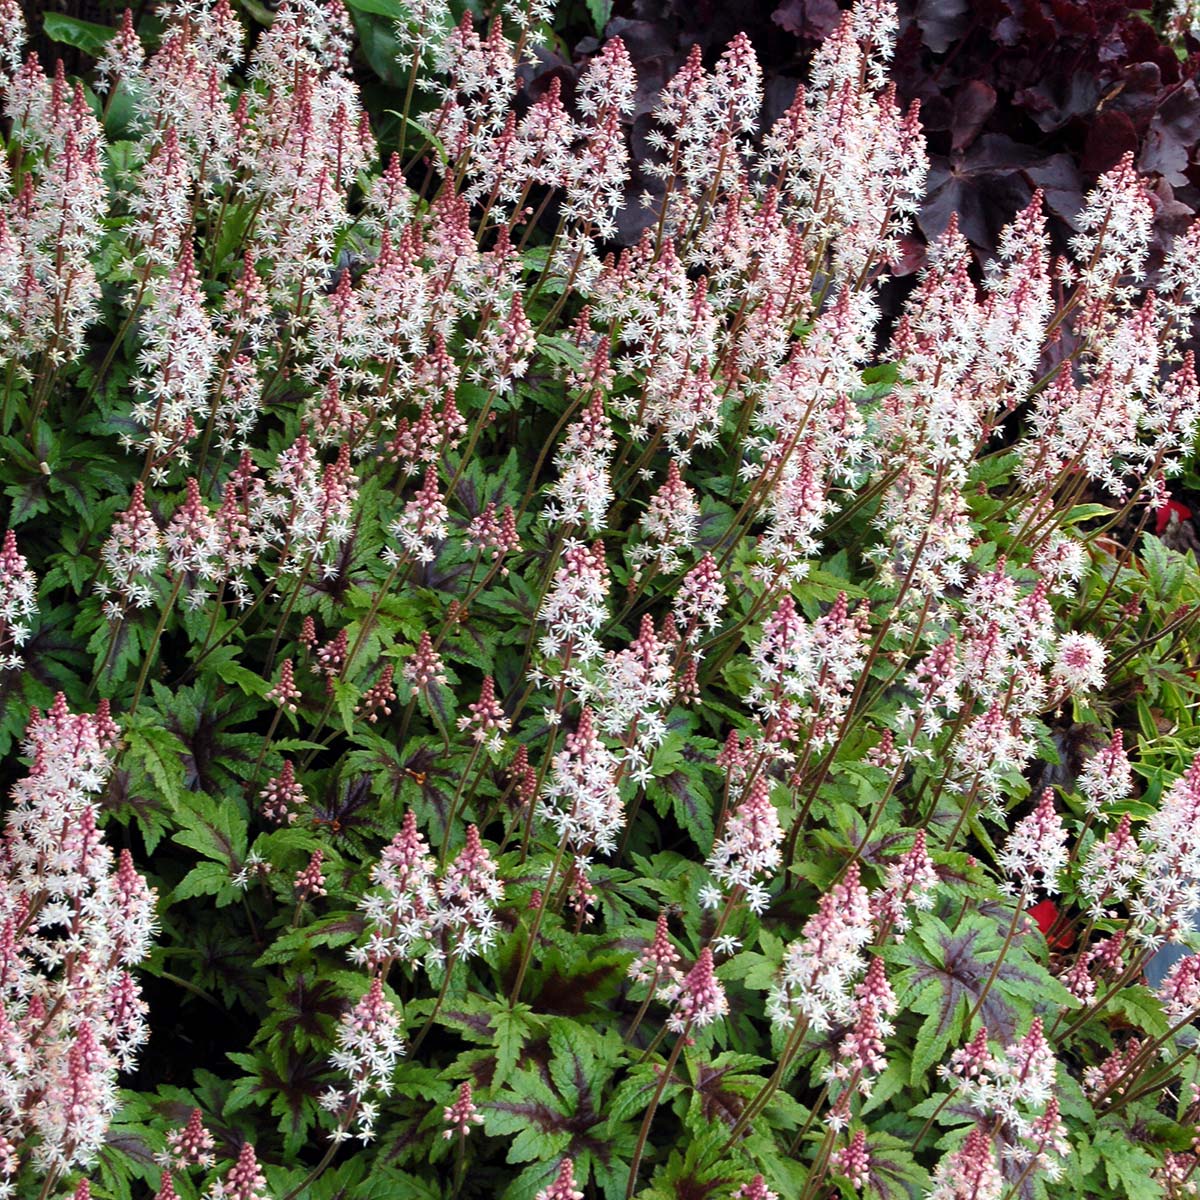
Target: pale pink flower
(368, 1047)
(1079, 663)
(423, 524)
(1180, 991)
(1170, 846)
(669, 522)
(698, 999)
(18, 601)
(1035, 852)
(1106, 776)
(1111, 868)
(576, 606)
(12, 37)
(701, 597)
(403, 908)
(485, 717)
(122, 57)
(909, 882)
(133, 553)
(820, 969)
(582, 493)
(748, 852)
(581, 798)
(970, 1172)
(469, 893)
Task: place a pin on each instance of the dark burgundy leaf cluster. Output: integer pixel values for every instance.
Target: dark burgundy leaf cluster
(1015, 95)
(1021, 94)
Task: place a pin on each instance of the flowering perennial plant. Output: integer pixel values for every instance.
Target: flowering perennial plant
(530, 674)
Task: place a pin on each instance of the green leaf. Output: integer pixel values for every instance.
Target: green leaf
(600, 11)
(1129, 1167)
(379, 45)
(204, 879)
(160, 754)
(345, 697)
(382, 8)
(512, 1027)
(249, 681)
(83, 35)
(893, 1174)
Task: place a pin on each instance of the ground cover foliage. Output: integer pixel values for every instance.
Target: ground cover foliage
(563, 633)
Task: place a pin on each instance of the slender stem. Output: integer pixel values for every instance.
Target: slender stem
(443, 991)
(152, 649)
(1018, 913)
(644, 1132)
(527, 953)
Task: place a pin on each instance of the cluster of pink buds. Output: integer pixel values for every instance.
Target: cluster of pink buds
(658, 960)
(1180, 991)
(563, 1187)
(424, 668)
(756, 1189)
(908, 883)
(243, 1181)
(191, 1146)
(1112, 1074)
(310, 880)
(861, 1052)
(462, 1114)
(283, 796)
(970, 1171)
(485, 718)
(496, 537)
(285, 693)
(379, 697)
(854, 1160)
